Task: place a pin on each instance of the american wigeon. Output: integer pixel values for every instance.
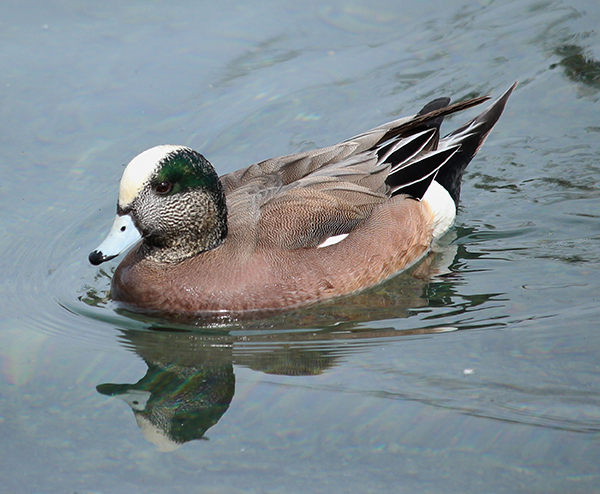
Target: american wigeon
(289, 231)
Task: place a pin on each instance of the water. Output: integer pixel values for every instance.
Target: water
(480, 377)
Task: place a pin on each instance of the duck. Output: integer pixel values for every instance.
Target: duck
(290, 231)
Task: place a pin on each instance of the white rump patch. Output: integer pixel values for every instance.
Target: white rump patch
(442, 207)
(335, 239)
(139, 170)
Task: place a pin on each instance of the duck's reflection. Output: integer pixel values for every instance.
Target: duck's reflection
(187, 388)
(190, 380)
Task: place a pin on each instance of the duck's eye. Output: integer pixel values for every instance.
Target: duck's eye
(163, 187)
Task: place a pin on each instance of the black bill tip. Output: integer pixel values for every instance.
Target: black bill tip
(98, 257)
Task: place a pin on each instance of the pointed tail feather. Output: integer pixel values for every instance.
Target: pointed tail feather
(470, 137)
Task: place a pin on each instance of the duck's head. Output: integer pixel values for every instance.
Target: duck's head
(172, 198)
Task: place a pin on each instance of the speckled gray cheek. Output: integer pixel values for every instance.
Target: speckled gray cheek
(180, 225)
(147, 211)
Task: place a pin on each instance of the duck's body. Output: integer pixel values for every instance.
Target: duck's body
(293, 230)
(238, 278)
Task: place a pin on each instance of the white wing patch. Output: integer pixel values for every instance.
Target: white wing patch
(334, 239)
(139, 170)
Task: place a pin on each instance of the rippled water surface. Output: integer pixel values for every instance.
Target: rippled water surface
(477, 372)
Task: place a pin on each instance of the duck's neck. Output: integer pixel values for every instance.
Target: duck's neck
(175, 251)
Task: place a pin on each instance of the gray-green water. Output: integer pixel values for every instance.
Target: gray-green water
(483, 378)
